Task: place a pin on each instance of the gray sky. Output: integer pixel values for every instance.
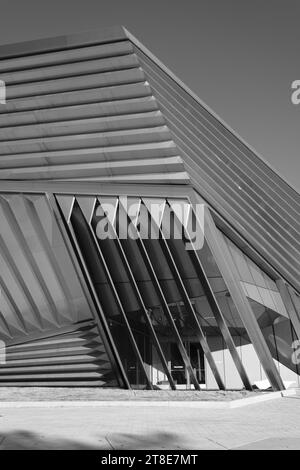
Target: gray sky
(239, 56)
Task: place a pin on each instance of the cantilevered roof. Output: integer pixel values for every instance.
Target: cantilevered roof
(99, 107)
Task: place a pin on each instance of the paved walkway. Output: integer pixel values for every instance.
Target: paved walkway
(270, 425)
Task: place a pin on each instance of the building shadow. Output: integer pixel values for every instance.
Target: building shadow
(27, 440)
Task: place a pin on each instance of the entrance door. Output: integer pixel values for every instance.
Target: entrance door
(179, 372)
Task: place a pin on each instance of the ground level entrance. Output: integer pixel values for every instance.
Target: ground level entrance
(177, 367)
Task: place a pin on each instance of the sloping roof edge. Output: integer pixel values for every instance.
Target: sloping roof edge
(68, 41)
(204, 105)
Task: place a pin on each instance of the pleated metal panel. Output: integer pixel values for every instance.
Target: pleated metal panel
(85, 111)
(73, 356)
(39, 289)
(229, 176)
(46, 322)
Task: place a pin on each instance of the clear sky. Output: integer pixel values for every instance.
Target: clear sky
(239, 56)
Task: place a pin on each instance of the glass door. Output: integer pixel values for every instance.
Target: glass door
(179, 371)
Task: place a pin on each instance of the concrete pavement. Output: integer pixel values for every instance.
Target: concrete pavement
(274, 424)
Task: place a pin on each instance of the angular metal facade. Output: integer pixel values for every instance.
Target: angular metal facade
(142, 243)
